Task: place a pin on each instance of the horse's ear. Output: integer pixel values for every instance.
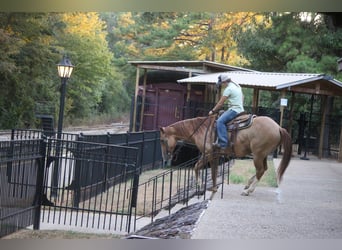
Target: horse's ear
(162, 129)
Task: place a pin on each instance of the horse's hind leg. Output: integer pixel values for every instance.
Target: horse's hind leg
(261, 167)
(250, 181)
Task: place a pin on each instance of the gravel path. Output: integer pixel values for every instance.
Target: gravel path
(307, 205)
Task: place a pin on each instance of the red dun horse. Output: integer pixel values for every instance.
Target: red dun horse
(259, 140)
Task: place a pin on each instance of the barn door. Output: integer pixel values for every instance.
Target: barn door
(170, 108)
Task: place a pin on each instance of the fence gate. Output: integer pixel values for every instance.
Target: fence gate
(90, 185)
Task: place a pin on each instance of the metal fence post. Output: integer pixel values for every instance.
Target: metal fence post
(39, 184)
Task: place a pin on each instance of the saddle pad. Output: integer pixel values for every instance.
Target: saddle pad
(241, 122)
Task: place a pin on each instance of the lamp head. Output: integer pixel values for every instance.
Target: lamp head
(65, 68)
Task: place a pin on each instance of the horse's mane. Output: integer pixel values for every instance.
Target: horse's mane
(191, 126)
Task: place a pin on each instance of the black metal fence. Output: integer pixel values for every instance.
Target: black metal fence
(176, 185)
(96, 187)
(21, 168)
(86, 181)
(147, 142)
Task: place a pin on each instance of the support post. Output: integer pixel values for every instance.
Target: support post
(135, 100)
(340, 148)
(143, 101)
(255, 100)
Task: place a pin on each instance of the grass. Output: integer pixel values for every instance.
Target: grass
(242, 170)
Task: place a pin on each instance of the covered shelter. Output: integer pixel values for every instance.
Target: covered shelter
(312, 84)
(160, 100)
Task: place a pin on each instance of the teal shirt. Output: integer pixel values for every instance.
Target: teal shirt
(235, 97)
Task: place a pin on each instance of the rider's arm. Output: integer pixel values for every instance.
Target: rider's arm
(218, 105)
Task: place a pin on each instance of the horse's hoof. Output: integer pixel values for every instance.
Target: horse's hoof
(246, 187)
(214, 190)
(244, 193)
(199, 192)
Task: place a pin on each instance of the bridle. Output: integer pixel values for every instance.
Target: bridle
(175, 154)
(165, 142)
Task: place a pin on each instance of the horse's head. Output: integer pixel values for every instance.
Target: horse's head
(168, 144)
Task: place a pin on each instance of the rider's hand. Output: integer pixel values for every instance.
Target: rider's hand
(211, 112)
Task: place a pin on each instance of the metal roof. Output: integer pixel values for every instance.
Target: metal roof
(199, 66)
(314, 83)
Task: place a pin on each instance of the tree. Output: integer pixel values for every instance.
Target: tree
(83, 38)
(174, 36)
(25, 70)
(31, 46)
(212, 35)
(291, 42)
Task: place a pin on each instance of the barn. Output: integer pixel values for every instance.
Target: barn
(160, 100)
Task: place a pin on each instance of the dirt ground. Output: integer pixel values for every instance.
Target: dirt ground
(57, 234)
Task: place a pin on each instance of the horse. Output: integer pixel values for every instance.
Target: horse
(261, 138)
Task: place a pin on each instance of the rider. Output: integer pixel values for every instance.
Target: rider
(233, 93)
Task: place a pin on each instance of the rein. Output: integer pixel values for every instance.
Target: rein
(180, 147)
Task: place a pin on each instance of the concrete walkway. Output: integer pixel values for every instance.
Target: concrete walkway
(307, 205)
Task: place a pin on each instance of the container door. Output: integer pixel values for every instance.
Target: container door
(170, 108)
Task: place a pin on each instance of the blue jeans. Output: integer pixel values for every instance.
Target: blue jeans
(221, 127)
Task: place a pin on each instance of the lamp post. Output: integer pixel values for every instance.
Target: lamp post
(64, 72)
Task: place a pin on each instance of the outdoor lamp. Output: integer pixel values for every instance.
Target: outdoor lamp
(65, 68)
(64, 72)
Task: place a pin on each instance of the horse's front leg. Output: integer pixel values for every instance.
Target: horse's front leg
(214, 166)
(198, 166)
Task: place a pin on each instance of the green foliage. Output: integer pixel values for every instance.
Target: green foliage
(236, 179)
(289, 43)
(292, 42)
(32, 45)
(26, 73)
(101, 44)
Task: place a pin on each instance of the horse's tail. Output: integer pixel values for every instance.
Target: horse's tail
(286, 141)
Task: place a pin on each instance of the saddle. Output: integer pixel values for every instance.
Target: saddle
(241, 121)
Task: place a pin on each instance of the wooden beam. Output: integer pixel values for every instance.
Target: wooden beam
(340, 149)
(283, 92)
(255, 101)
(321, 136)
(293, 98)
(135, 100)
(170, 68)
(143, 101)
(188, 89)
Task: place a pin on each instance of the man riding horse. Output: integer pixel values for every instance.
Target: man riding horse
(233, 94)
(259, 139)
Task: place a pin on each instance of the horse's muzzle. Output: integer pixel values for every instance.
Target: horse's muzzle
(166, 163)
